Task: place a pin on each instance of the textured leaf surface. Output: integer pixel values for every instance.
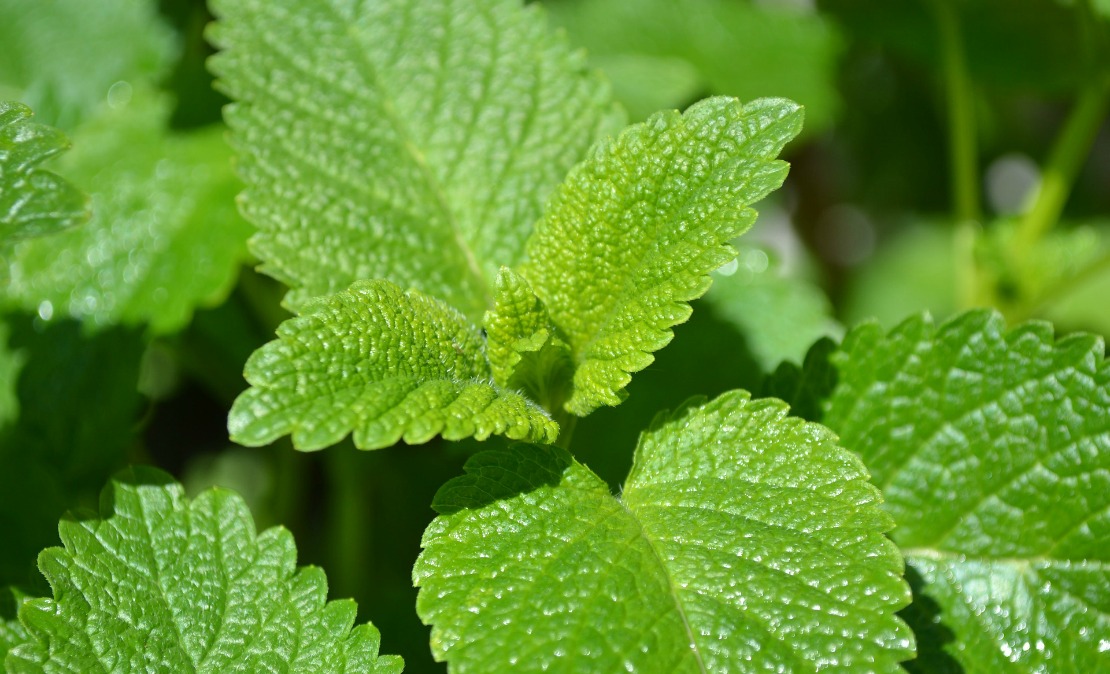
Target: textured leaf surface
(633, 233)
(743, 540)
(411, 142)
(159, 583)
(33, 201)
(164, 237)
(524, 349)
(667, 53)
(12, 633)
(62, 57)
(992, 448)
(384, 365)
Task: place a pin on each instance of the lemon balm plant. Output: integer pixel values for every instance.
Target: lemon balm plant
(475, 246)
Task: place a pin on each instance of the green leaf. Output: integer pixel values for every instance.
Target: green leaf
(524, 350)
(164, 238)
(63, 57)
(992, 448)
(159, 583)
(633, 233)
(667, 53)
(743, 540)
(385, 365)
(33, 201)
(411, 143)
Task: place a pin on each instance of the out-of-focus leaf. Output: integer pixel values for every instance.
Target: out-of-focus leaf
(780, 316)
(165, 236)
(667, 53)
(62, 57)
(1015, 44)
(33, 201)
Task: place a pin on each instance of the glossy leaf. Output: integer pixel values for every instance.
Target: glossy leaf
(743, 540)
(164, 238)
(162, 583)
(633, 233)
(414, 143)
(992, 448)
(33, 201)
(385, 366)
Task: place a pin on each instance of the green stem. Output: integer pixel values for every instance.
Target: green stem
(349, 508)
(962, 144)
(567, 422)
(962, 152)
(1066, 158)
(1094, 268)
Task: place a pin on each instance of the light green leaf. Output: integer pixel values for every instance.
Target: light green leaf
(633, 233)
(667, 53)
(63, 57)
(992, 448)
(743, 540)
(33, 201)
(164, 238)
(414, 143)
(159, 583)
(525, 352)
(385, 365)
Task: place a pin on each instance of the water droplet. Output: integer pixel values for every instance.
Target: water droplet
(119, 95)
(46, 310)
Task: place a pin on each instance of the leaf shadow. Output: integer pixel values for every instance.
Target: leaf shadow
(502, 474)
(924, 618)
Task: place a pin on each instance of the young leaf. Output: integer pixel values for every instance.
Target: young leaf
(633, 233)
(411, 143)
(164, 238)
(161, 583)
(743, 540)
(992, 448)
(64, 58)
(33, 201)
(385, 365)
(524, 349)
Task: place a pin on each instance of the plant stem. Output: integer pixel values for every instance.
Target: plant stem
(1066, 158)
(349, 505)
(962, 152)
(962, 145)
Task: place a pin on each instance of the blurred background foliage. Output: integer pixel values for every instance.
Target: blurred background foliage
(956, 154)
